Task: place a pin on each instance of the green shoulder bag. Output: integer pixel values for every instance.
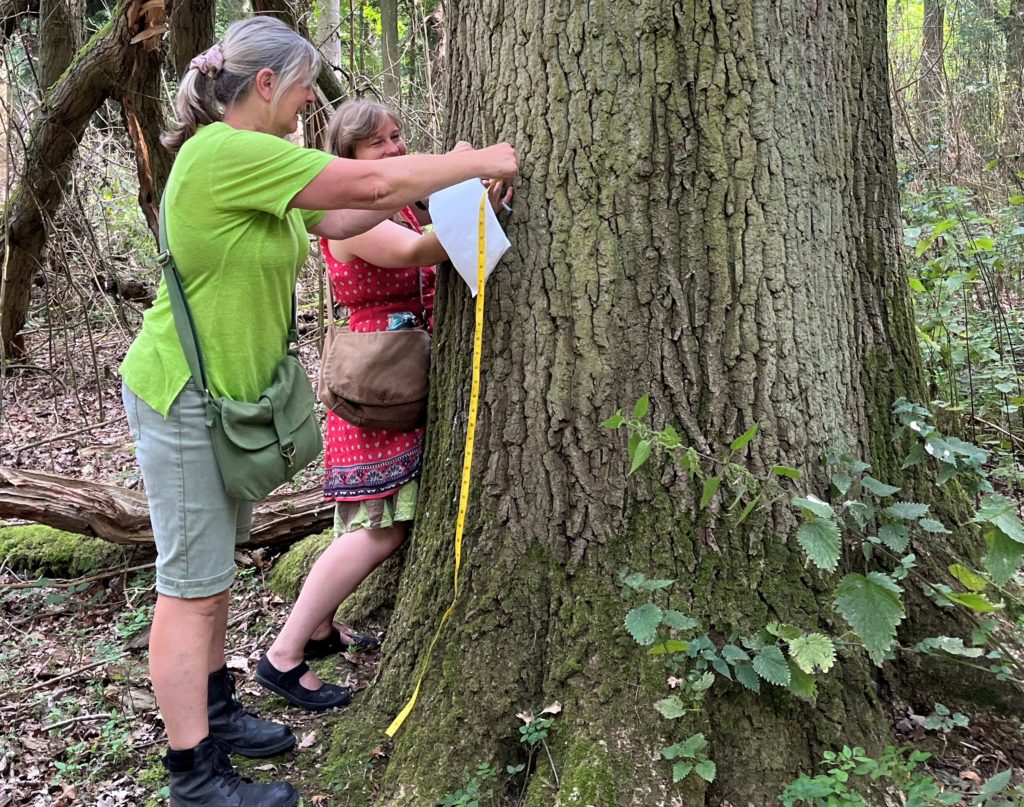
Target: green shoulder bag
(259, 446)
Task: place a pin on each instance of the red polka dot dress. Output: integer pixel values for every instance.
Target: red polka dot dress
(363, 464)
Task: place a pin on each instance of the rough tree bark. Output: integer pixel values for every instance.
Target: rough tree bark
(60, 37)
(192, 31)
(708, 214)
(390, 81)
(929, 88)
(103, 67)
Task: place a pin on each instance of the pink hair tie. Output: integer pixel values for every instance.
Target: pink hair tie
(209, 62)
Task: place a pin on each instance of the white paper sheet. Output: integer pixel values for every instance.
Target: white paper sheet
(455, 212)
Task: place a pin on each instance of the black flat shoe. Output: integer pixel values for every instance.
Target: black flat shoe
(286, 684)
(332, 643)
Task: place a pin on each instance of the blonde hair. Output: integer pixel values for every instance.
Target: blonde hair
(248, 47)
(354, 121)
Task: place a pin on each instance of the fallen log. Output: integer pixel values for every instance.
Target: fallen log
(121, 516)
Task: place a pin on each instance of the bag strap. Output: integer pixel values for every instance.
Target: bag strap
(184, 324)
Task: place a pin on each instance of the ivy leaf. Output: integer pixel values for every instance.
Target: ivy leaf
(1003, 558)
(1001, 513)
(640, 454)
(671, 707)
(873, 607)
(801, 684)
(970, 580)
(814, 505)
(641, 406)
(894, 536)
(877, 487)
(746, 675)
(976, 602)
(710, 489)
(740, 442)
(642, 623)
(706, 770)
(933, 526)
(819, 538)
(906, 511)
(771, 665)
(813, 650)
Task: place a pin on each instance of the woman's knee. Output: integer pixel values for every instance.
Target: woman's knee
(203, 608)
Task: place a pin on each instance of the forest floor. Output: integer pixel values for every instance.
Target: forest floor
(78, 722)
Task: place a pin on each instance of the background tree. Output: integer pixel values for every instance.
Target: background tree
(717, 226)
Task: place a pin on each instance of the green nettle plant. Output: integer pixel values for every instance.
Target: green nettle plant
(866, 515)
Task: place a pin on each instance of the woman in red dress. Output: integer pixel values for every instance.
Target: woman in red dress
(385, 277)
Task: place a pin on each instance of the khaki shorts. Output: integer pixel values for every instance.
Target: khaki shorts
(195, 523)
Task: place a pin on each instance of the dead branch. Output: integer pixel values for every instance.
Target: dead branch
(122, 516)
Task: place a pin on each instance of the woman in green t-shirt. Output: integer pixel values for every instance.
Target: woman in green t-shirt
(240, 203)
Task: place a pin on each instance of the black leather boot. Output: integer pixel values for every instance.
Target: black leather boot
(236, 729)
(203, 777)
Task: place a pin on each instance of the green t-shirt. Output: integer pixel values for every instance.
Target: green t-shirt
(238, 249)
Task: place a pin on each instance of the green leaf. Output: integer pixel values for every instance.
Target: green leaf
(740, 442)
(615, 420)
(873, 607)
(877, 487)
(949, 644)
(1003, 558)
(747, 676)
(641, 406)
(679, 620)
(786, 471)
(894, 536)
(970, 580)
(748, 509)
(771, 665)
(706, 770)
(820, 540)
(642, 623)
(813, 650)
(814, 505)
(671, 707)
(669, 438)
(669, 646)
(933, 526)
(842, 482)
(976, 602)
(681, 770)
(801, 684)
(734, 654)
(783, 630)
(906, 511)
(640, 454)
(996, 785)
(710, 489)
(1000, 512)
(688, 748)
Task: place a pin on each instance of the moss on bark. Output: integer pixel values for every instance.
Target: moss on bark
(45, 552)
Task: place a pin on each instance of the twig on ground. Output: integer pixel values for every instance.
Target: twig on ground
(66, 435)
(51, 681)
(78, 581)
(77, 719)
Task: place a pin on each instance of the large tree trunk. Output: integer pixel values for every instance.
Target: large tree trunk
(389, 55)
(930, 103)
(708, 214)
(60, 37)
(192, 31)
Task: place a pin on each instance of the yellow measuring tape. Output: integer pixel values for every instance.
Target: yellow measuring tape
(467, 462)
